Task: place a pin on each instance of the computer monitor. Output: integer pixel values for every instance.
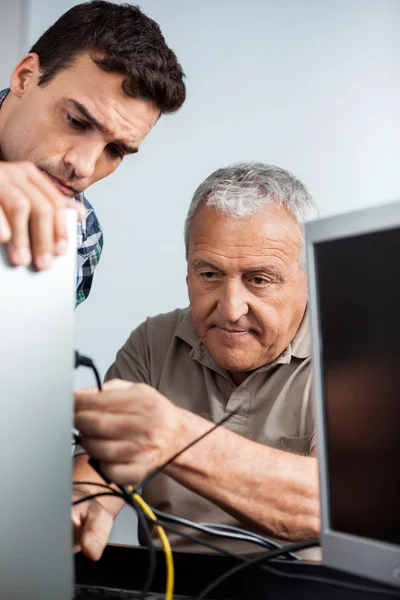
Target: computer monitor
(354, 298)
(36, 379)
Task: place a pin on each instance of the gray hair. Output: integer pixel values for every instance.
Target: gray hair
(244, 189)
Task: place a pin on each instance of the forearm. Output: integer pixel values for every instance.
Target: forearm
(82, 471)
(268, 488)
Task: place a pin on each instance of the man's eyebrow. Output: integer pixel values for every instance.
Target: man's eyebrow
(268, 270)
(89, 117)
(199, 263)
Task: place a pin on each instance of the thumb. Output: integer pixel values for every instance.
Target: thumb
(96, 531)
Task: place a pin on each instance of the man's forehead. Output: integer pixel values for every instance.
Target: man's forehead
(248, 242)
(102, 94)
(258, 231)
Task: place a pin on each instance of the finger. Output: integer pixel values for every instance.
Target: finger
(96, 531)
(114, 451)
(113, 384)
(106, 425)
(17, 209)
(76, 518)
(125, 474)
(53, 194)
(118, 384)
(5, 231)
(60, 230)
(119, 399)
(42, 231)
(87, 390)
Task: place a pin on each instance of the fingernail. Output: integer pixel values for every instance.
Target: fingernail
(44, 261)
(62, 247)
(21, 256)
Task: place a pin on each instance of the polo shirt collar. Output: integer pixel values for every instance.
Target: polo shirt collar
(300, 347)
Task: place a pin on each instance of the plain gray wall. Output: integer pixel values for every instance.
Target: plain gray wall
(13, 36)
(312, 86)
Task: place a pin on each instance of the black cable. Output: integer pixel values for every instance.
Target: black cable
(85, 361)
(81, 360)
(244, 562)
(141, 519)
(98, 495)
(239, 534)
(158, 470)
(358, 587)
(102, 485)
(144, 523)
(317, 579)
(263, 539)
(254, 561)
(165, 517)
(194, 539)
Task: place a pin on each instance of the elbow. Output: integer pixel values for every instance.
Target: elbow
(294, 528)
(300, 521)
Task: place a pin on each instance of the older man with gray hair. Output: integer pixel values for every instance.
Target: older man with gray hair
(242, 346)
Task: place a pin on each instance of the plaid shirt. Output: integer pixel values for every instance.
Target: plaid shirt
(89, 243)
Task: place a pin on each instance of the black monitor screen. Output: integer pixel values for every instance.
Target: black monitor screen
(358, 284)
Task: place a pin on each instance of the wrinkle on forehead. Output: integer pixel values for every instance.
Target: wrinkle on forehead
(273, 234)
(101, 92)
(243, 255)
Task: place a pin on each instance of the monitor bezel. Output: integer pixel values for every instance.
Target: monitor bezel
(361, 556)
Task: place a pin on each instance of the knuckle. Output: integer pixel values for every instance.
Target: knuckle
(19, 204)
(43, 210)
(139, 472)
(97, 423)
(29, 167)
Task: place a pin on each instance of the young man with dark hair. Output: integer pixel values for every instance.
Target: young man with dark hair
(84, 97)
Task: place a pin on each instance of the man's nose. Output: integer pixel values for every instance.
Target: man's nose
(83, 159)
(232, 303)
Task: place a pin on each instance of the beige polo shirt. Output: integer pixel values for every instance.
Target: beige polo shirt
(166, 352)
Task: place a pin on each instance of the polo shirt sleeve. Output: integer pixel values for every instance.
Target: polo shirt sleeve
(132, 361)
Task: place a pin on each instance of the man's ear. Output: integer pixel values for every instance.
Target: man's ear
(24, 73)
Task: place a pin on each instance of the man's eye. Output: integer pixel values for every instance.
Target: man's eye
(114, 151)
(75, 123)
(259, 280)
(208, 275)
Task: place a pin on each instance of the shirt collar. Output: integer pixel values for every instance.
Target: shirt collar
(300, 347)
(3, 94)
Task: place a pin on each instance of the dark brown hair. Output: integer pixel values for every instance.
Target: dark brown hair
(119, 38)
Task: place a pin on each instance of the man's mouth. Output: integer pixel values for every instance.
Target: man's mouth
(232, 332)
(63, 187)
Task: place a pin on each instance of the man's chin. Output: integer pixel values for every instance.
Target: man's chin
(235, 362)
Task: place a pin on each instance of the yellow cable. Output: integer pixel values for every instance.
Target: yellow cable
(169, 561)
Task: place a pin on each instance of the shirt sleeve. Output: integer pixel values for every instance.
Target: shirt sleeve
(132, 362)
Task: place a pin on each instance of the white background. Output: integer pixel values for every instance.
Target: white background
(312, 86)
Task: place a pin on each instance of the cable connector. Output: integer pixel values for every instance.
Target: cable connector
(85, 361)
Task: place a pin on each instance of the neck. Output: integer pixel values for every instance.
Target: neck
(239, 377)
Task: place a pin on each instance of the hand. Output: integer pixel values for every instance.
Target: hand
(32, 215)
(92, 524)
(130, 428)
